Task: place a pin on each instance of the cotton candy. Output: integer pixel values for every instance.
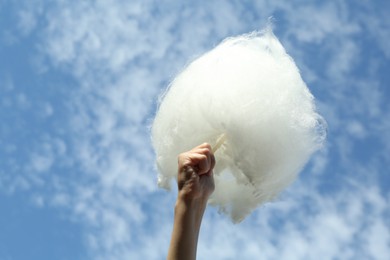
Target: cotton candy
(248, 90)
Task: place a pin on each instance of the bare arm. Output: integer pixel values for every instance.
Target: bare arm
(195, 183)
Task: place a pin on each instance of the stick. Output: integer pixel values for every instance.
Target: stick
(221, 139)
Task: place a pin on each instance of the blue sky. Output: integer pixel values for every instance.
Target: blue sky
(78, 88)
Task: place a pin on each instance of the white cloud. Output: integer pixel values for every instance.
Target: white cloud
(356, 129)
(376, 25)
(345, 56)
(27, 22)
(41, 163)
(378, 239)
(38, 201)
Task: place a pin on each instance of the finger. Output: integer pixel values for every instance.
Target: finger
(212, 164)
(185, 174)
(204, 145)
(190, 159)
(200, 157)
(203, 165)
(206, 150)
(210, 156)
(200, 162)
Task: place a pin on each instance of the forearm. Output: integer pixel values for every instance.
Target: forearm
(195, 184)
(187, 221)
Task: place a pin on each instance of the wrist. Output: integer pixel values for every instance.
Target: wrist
(190, 201)
(192, 208)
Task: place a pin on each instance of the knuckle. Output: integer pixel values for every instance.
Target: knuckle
(203, 157)
(180, 157)
(205, 151)
(207, 145)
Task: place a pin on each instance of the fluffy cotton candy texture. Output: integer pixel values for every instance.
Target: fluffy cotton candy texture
(249, 89)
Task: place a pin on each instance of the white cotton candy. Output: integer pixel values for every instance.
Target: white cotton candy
(249, 89)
